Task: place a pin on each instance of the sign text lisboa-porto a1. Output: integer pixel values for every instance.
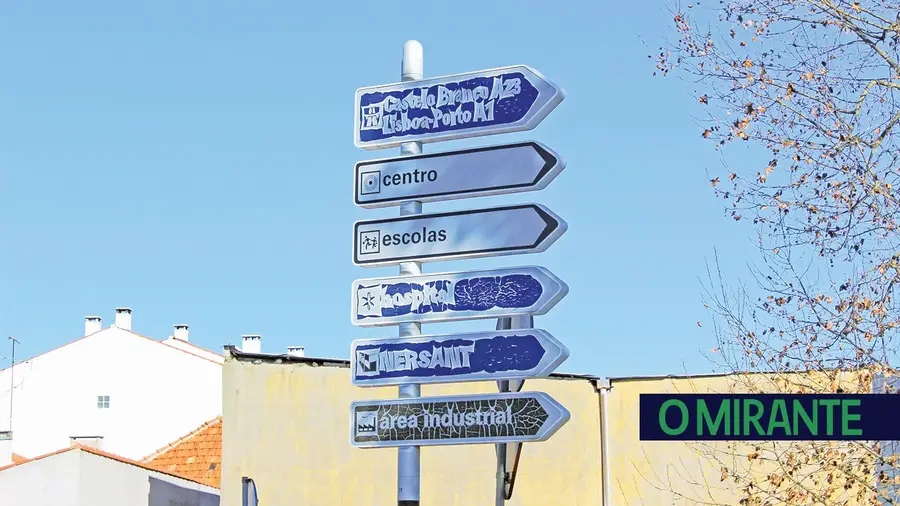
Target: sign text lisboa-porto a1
(463, 419)
(477, 172)
(454, 296)
(475, 356)
(474, 233)
(496, 101)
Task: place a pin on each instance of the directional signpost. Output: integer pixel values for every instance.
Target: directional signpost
(463, 419)
(408, 114)
(503, 100)
(476, 356)
(454, 296)
(479, 172)
(509, 230)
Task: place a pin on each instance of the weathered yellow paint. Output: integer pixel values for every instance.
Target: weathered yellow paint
(671, 472)
(288, 427)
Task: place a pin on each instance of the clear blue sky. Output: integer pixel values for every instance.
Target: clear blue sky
(193, 161)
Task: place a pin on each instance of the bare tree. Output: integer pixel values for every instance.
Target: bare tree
(809, 88)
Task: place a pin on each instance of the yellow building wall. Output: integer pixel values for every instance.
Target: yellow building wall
(690, 472)
(287, 426)
(661, 472)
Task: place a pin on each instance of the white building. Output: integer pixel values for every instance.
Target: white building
(83, 476)
(112, 389)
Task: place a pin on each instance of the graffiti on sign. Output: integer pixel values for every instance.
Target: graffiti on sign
(530, 416)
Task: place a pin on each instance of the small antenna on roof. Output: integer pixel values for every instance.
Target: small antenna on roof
(12, 378)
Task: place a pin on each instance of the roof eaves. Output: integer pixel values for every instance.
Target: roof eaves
(233, 351)
(135, 463)
(39, 457)
(201, 348)
(670, 376)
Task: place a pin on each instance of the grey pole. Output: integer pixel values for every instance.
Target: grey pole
(248, 499)
(412, 69)
(500, 494)
(503, 453)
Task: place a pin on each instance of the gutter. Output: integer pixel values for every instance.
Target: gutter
(603, 387)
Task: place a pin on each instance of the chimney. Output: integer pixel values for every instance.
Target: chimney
(296, 351)
(5, 448)
(123, 318)
(181, 332)
(92, 324)
(251, 343)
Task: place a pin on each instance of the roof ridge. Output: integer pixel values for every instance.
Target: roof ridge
(135, 463)
(190, 344)
(108, 328)
(183, 439)
(108, 455)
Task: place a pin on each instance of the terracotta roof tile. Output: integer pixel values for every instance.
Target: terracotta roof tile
(197, 455)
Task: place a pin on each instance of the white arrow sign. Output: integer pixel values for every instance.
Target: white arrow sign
(454, 296)
(462, 419)
(475, 233)
(496, 101)
(478, 172)
(475, 356)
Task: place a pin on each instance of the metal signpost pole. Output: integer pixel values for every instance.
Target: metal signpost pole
(503, 449)
(409, 114)
(412, 69)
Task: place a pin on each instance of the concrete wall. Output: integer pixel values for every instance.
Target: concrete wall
(53, 481)
(107, 482)
(287, 427)
(157, 394)
(79, 478)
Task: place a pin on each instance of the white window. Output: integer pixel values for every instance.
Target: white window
(102, 401)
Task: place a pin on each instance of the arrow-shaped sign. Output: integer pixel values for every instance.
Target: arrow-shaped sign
(454, 296)
(463, 419)
(496, 101)
(475, 233)
(479, 172)
(476, 356)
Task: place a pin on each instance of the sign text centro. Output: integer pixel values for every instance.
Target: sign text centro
(508, 99)
(476, 172)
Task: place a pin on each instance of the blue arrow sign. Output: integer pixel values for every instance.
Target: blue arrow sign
(454, 296)
(471, 233)
(476, 356)
(457, 419)
(496, 101)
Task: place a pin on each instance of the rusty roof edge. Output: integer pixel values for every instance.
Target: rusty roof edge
(233, 352)
(724, 374)
(674, 376)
